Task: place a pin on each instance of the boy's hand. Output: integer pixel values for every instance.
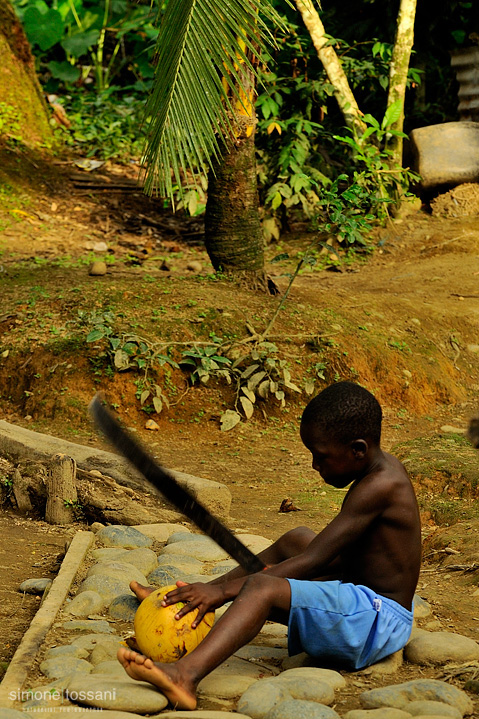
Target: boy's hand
(204, 597)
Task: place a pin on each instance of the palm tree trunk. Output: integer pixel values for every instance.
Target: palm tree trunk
(233, 235)
(21, 97)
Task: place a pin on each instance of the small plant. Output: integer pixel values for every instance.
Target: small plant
(76, 507)
(206, 362)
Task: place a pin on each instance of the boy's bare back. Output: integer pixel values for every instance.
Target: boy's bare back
(386, 556)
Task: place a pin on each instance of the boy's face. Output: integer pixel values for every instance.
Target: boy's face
(337, 463)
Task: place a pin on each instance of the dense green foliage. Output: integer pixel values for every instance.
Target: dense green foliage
(96, 57)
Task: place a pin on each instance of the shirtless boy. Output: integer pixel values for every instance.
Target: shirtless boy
(346, 593)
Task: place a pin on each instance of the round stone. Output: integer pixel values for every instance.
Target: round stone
(124, 607)
(107, 587)
(206, 551)
(121, 536)
(68, 650)
(302, 710)
(432, 648)
(117, 570)
(427, 708)
(383, 713)
(181, 536)
(85, 603)
(60, 666)
(108, 554)
(228, 686)
(307, 688)
(105, 692)
(261, 697)
(165, 575)
(35, 586)
(328, 676)
(89, 625)
(142, 558)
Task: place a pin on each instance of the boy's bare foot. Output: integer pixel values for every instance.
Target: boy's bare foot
(140, 591)
(165, 677)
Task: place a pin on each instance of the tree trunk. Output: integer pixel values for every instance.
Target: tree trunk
(23, 112)
(233, 234)
(398, 73)
(332, 65)
(61, 490)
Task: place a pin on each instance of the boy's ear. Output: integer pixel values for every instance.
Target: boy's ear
(359, 448)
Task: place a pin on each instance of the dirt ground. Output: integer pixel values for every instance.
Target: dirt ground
(403, 321)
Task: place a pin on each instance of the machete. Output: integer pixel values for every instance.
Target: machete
(163, 481)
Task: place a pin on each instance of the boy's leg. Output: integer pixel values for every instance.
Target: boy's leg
(261, 597)
(288, 545)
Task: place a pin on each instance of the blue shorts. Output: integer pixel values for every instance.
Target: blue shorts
(345, 624)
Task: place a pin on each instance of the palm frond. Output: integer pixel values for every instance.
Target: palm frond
(190, 114)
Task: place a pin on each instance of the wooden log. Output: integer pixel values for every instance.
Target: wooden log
(21, 493)
(61, 490)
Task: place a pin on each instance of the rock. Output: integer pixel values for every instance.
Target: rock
(194, 266)
(112, 667)
(388, 665)
(327, 676)
(255, 542)
(152, 425)
(228, 686)
(473, 348)
(446, 154)
(117, 570)
(236, 666)
(96, 526)
(188, 565)
(472, 685)
(68, 650)
(272, 635)
(398, 695)
(105, 652)
(262, 697)
(164, 575)
(300, 709)
(90, 641)
(116, 535)
(202, 714)
(35, 586)
(99, 626)
(105, 692)
(98, 269)
(427, 708)
(107, 587)
(307, 688)
(85, 603)
(433, 648)
(159, 532)
(206, 551)
(449, 429)
(251, 652)
(124, 607)
(223, 567)
(109, 554)
(383, 713)
(183, 535)
(421, 608)
(142, 558)
(192, 578)
(60, 666)
(100, 247)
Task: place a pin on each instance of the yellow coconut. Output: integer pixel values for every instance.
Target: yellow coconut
(162, 637)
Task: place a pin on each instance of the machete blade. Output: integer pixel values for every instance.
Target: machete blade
(163, 481)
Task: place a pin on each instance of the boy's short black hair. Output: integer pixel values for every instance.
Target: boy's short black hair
(343, 412)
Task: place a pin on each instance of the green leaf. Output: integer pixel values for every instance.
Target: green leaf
(276, 201)
(248, 408)
(157, 404)
(43, 29)
(144, 396)
(79, 44)
(95, 335)
(121, 360)
(229, 419)
(249, 394)
(392, 114)
(198, 49)
(64, 71)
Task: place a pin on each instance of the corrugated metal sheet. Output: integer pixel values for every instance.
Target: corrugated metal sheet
(466, 65)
